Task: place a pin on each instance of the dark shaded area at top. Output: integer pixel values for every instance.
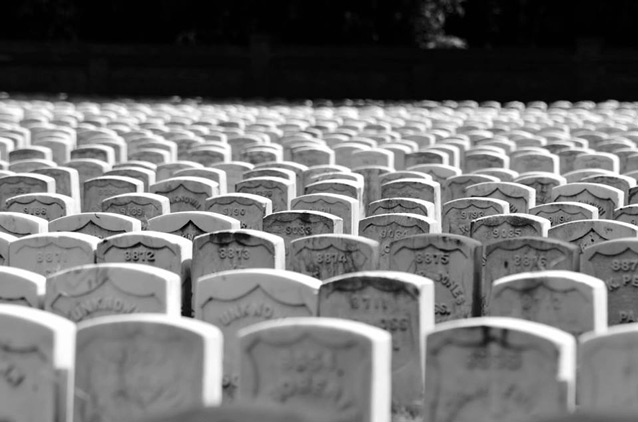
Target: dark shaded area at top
(485, 23)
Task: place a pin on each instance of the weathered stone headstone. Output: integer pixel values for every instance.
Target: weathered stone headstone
(624, 183)
(142, 206)
(372, 185)
(401, 205)
(18, 224)
(439, 172)
(147, 176)
(38, 359)
(67, 180)
(48, 206)
(279, 191)
(96, 290)
(47, 253)
(296, 168)
(340, 206)
(564, 212)
(415, 188)
(480, 160)
(143, 350)
(586, 233)
(234, 171)
(22, 183)
(457, 215)
(521, 198)
(454, 187)
(533, 161)
(329, 255)
(597, 160)
(333, 356)
(573, 302)
(386, 228)
(403, 305)
(506, 226)
(523, 255)
(98, 189)
(168, 170)
(190, 224)
(249, 209)
(98, 224)
(497, 369)
(21, 287)
(186, 193)
(232, 300)
(542, 183)
(605, 198)
(605, 374)
(236, 249)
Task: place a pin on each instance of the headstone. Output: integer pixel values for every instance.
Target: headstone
(186, 193)
(279, 191)
(291, 225)
(627, 214)
(47, 253)
(249, 209)
(524, 255)
(21, 287)
(236, 250)
(98, 224)
(521, 198)
(605, 198)
(401, 205)
(335, 357)
(329, 255)
(67, 181)
(38, 359)
(614, 262)
(624, 183)
(165, 364)
(506, 226)
(439, 172)
(234, 171)
(340, 206)
(543, 184)
(564, 212)
(297, 168)
(21, 183)
(216, 175)
(97, 290)
(586, 233)
(497, 369)
(533, 161)
(457, 215)
(415, 188)
(386, 228)
(454, 187)
(504, 174)
(452, 262)
(605, 368)
(103, 187)
(190, 224)
(403, 305)
(232, 300)
(142, 206)
(147, 176)
(18, 224)
(167, 170)
(48, 206)
(480, 160)
(233, 413)
(372, 184)
(573, 302)
(597, 160)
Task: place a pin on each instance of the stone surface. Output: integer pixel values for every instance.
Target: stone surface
(47, 253)
(249, 209)
(98, 224)
(401, 205)
(232, 413)
(190, 224)
(96, 290)
(511, 370)
(345, 363)
(329, 255)
(341, 206)
(125, 367)
(542, 183)
(573, 302)
(403, 305)
(454, 187)
(17, 224)
(415, 188)
(186, 193)
(37, 358)
(234, 171)
(142, 206)
(521, 198)
(452, 262)
(21, 287)
(232, 300)
(386, 228)
(98, 189)
(605, 198)
(67, 180)
(279, 191)
(586, 233)
(21, 183)
(506, 226)
(565, 212)
(615, 262)
(48, 206)
(236, 249)
(457, 215)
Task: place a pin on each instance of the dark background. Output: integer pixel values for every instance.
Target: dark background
(511, 49)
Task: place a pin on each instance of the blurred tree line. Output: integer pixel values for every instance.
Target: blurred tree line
(423, 23)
